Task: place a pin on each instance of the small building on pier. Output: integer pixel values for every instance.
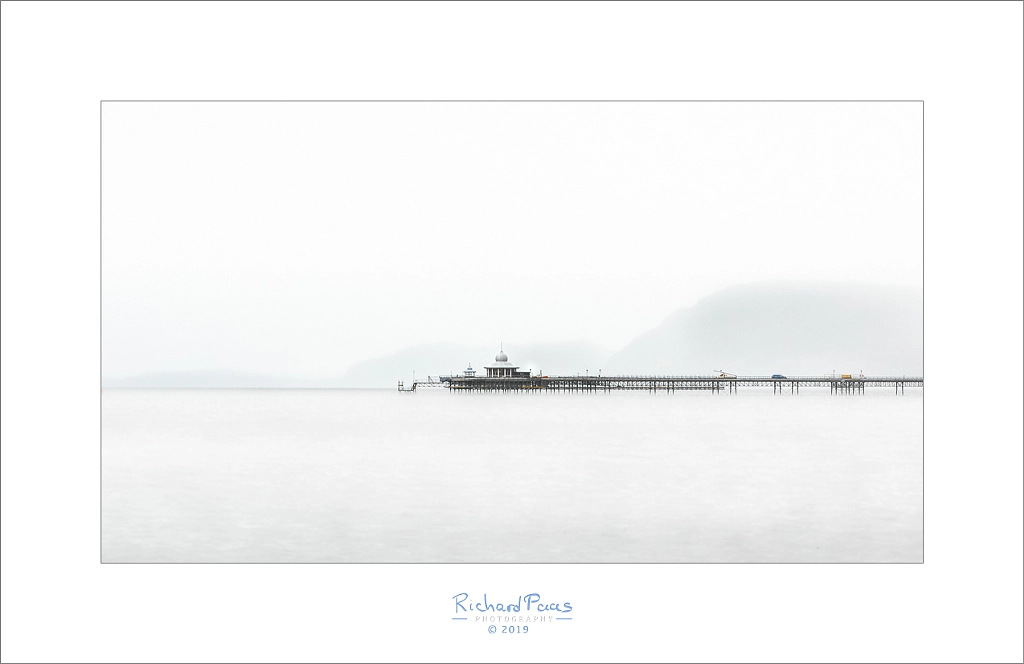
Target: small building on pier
(502, 368)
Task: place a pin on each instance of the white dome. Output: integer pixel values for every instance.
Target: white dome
(501, 357)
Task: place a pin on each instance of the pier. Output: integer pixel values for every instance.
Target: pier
(790, 385)
(503, 376)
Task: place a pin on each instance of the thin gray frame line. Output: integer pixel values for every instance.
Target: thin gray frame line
(101, 101)
(506, 101)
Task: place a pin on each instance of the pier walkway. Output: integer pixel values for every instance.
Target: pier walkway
(791, 384)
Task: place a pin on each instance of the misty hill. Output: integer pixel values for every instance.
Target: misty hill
(441, 358)
(793, 329)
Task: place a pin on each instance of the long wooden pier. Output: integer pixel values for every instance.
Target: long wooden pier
(790, 384)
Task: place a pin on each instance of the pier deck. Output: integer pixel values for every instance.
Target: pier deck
(790, 384)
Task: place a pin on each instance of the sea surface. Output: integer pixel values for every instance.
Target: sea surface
(266, 475)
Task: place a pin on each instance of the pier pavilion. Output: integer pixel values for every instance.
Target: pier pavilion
(502, 368)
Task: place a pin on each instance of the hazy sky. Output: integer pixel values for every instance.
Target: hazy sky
(300, 238)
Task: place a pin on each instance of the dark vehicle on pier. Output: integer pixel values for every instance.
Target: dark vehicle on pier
(778, 377)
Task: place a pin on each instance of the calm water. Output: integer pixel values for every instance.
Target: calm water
(378, 476)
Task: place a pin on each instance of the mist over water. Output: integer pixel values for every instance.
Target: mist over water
(378, 476)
